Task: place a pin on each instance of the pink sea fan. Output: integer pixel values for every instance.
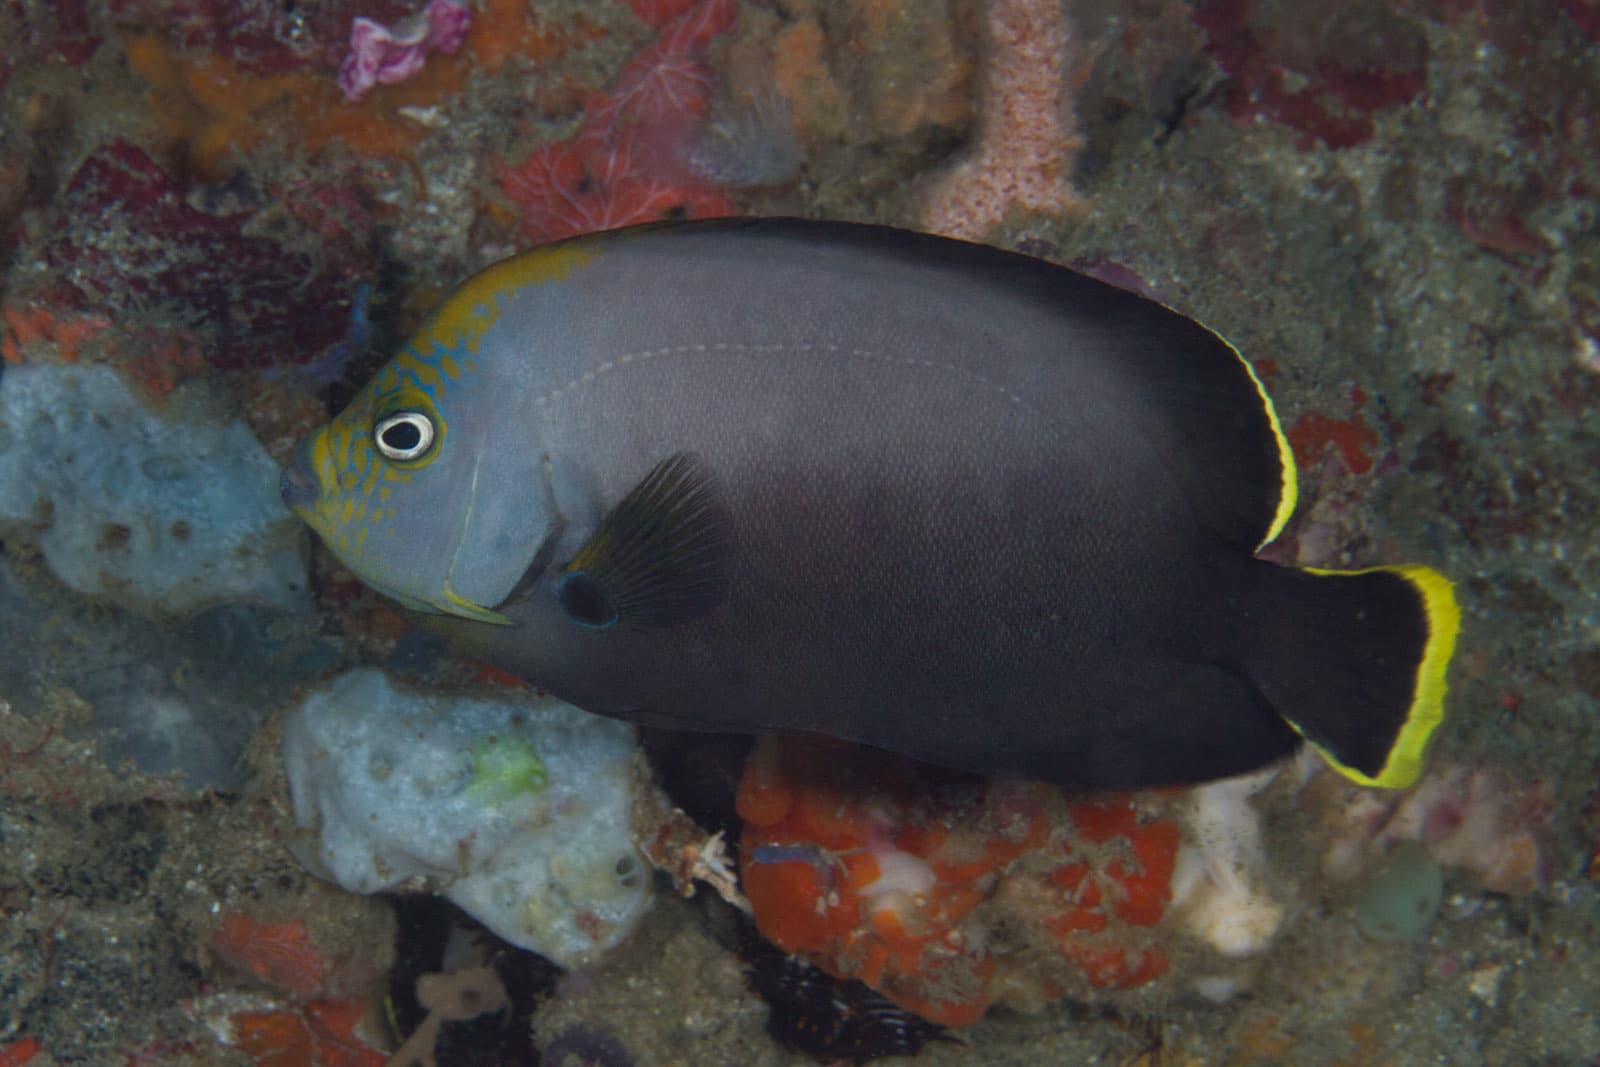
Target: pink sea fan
(630, 160)
(381, 56)
(663, 94)
(593, 182)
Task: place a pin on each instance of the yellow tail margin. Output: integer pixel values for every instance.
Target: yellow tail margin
(1443, 616)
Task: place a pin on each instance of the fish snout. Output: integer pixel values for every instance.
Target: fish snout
(297, 485)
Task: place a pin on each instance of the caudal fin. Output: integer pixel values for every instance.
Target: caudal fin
(1356, 661)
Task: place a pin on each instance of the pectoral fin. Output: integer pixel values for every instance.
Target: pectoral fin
(660, 557)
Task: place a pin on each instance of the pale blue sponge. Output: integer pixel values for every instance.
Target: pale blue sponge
(168, 512)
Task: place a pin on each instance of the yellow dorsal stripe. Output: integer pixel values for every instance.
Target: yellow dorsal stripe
(461, 322)
(1288, 476)
(1289, 480)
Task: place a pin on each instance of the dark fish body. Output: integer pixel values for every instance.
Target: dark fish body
(954, 502)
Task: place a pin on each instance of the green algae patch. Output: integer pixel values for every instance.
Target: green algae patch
(1401, 897)
(505, 767)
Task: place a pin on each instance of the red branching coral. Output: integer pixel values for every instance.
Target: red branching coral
(280, 954)
(322, 1034)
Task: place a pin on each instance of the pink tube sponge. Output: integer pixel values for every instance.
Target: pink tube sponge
(1027, 139)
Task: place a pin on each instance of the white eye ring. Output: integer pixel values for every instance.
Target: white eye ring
(414, 436)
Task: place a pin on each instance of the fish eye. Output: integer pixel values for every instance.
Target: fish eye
(403, 435)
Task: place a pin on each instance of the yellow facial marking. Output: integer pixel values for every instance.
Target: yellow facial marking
(428, 376)
(358, 512)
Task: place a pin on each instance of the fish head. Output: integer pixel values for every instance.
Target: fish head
(430, 486)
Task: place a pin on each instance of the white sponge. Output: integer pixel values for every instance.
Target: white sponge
(517, 809)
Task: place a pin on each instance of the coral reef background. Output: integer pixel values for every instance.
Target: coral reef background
(1392, 207)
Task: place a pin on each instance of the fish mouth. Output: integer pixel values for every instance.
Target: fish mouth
(297, 486)
(301, 492)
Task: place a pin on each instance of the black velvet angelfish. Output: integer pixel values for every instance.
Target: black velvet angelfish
(786, 476)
